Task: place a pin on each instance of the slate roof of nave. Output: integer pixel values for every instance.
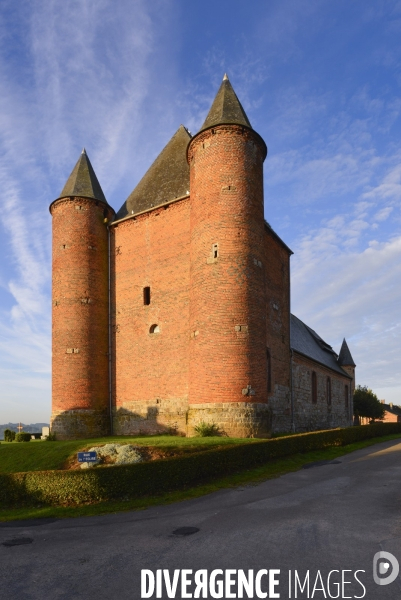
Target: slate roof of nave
(166, 179)
(307, 342)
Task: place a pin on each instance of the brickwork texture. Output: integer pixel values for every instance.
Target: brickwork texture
(197, 329)
(80, 380)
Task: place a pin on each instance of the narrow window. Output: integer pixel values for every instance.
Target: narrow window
(215, 250)
(328, 391)
(269, 371)
(154, 329)
(314, 388)
(146, 296)
(346, 396)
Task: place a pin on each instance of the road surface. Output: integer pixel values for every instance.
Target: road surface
(321, 525)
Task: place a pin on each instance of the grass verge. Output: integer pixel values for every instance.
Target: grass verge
(270, 470)
(47, 456)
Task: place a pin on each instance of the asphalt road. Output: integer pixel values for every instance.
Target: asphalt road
(333, 517)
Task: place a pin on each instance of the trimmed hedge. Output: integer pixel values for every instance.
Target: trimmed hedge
(155, 477)
(23, 436)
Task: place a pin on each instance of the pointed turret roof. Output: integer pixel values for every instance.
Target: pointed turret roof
(345, 359)
(166, 179)
(226, 108)
(83, 181)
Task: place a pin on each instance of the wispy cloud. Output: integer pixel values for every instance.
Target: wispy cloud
(75, 85)
(342, 291)
(110, 76)
(390, 187)
(344, 190)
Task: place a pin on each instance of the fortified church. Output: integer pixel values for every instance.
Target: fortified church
(176, 309)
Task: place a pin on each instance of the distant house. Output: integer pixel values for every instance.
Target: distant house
(392, 414)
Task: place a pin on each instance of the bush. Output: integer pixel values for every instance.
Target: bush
(159, 476)
(23, 436)
(207, 429)
(9, 436)
(51, 437)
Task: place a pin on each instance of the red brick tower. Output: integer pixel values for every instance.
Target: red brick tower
(228, 358)
(80, 331)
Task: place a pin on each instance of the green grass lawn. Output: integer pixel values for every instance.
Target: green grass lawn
(272, 469)
(40, 455)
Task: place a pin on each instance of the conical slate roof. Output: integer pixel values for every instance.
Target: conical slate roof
(83, 181)
(166, 179)
(226, 108)
(345, 359)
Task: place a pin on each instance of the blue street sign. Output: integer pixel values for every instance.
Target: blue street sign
(87, 456)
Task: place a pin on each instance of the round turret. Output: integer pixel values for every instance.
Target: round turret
(80, 324)
(228, 359)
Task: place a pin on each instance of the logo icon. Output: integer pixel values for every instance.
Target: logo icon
(382, 574)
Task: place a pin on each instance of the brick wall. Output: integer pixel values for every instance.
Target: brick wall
(151, 370)
(388, 418)
(277, 275)
(80, 318)
(228, 294)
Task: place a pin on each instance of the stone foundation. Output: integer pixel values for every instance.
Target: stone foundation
(234, 419)
(77, 424)
(162, 416)
(280, 406)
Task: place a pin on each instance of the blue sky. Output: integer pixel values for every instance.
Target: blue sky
(320, 81)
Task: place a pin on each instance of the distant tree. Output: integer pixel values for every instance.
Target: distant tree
(9, 436)
(367, 404)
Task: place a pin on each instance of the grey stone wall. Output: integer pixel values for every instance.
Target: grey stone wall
(235, 419)
(280, 406)
(149, 417)
(322, 415)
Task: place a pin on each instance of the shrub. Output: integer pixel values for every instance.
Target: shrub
(159, 476)
(51, 437)
(23, 436)
(207, 429)
(9, 436)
